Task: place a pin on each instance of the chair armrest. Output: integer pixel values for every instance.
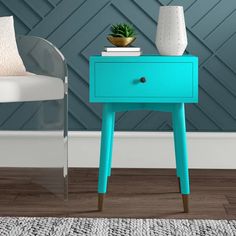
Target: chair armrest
(42, 57)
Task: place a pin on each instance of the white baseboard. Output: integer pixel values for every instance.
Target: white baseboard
(154, 150)
(131, 149)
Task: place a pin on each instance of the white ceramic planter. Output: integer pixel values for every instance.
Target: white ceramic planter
(171, 38)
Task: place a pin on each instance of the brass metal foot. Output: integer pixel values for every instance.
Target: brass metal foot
(100, 201)
(179, 184)
(185, 203)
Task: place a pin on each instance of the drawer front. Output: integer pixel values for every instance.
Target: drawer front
(164, 82)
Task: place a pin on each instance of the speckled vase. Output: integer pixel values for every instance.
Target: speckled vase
(171, 37)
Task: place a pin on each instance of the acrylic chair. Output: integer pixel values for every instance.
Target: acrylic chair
(48, 83)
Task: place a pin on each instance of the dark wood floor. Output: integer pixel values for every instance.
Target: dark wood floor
(139, 193)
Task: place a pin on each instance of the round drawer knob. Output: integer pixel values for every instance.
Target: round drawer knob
(142, 80)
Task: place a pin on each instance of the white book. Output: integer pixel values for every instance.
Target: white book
(120, 54)
(122, 49)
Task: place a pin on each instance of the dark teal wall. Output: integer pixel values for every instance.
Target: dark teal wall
(79, 29)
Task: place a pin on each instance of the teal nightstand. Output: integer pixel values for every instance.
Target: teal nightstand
(162, 83)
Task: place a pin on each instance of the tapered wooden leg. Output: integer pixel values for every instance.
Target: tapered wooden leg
(105, 152)
(181, 152)
(185, 203)
(100, 201)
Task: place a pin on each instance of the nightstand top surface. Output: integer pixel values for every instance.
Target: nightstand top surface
(144, 58)
(148, 55)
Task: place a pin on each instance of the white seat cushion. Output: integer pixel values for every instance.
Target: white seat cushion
(30, 88)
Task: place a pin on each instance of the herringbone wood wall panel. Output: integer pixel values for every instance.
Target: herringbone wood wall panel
(79, 28)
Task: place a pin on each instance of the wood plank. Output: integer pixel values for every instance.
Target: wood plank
(138, 193)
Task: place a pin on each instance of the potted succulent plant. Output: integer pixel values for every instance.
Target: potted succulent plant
(122, 35)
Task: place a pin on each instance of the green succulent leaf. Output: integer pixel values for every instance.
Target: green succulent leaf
(122, 30)
(117, 35)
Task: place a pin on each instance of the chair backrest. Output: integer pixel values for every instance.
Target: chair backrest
(42, 57)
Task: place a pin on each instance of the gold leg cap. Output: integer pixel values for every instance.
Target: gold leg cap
(185, 203)
(100, 201)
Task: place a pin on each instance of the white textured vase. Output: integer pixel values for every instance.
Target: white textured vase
(171, 38)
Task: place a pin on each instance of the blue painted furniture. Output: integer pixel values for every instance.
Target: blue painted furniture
(162, 83)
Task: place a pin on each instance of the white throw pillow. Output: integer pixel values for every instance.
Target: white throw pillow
(10, 60)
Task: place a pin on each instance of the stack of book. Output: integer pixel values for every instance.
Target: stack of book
(121, 51)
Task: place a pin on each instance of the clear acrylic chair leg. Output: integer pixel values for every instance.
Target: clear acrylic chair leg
(65, 136)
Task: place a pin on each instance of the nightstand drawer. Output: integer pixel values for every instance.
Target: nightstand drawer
(141, 81)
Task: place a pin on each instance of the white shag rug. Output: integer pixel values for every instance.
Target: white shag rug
(50, 226)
